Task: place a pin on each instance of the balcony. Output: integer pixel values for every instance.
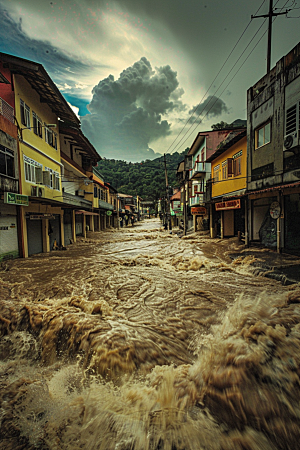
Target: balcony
(197, 200)
(198, 170)
(7, 111)
(8, 184)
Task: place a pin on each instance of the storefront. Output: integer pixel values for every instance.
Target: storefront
(68, 215)
(292, 222)
(9, 247)
(230, 217)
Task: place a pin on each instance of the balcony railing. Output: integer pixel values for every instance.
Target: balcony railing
(8, 184)
(200, 167)
(6, 110)
(197, 199)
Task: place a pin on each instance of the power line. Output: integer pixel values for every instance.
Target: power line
(223, 65)
(207, 112)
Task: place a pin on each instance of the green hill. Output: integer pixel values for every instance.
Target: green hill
(146, 179)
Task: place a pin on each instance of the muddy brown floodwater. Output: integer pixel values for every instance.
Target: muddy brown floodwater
(139, 340)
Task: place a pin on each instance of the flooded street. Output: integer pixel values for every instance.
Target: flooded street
(136, 339)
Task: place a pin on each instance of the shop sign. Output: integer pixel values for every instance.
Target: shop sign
(16, 199)
(230, 204)
(108, 213)
(41, 216)
(198, 210)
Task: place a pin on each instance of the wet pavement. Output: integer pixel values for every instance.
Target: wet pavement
(136, 339)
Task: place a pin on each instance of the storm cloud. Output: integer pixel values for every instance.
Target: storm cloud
(129, 113)
(212, 106)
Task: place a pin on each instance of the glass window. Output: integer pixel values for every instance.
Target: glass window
(29, 168)
(263, 135)
(25, 114)
(37, 125)
(7, 166)
(217, 173)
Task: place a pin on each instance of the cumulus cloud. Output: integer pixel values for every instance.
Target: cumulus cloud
(211, 107)
(128, 113)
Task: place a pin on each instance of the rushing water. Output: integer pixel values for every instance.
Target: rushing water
(140, 340)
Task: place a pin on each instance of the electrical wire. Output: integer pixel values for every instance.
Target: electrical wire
(216, 99)
(223, 65)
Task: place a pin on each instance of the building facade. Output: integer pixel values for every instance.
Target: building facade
(274, 156)
(228, 186)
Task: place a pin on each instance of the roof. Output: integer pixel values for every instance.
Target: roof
(81, 141)
(197, 143)
(41, 82)
(176, 196)
(232, 138)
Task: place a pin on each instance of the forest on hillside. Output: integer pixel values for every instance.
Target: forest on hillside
(146, 179)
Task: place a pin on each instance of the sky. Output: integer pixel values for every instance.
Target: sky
(146, 76)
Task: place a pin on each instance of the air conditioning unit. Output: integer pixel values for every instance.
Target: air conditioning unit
(290, 141)
(37, 191)
(80, 192)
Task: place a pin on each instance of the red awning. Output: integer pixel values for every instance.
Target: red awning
(86, 213)
(275, 188)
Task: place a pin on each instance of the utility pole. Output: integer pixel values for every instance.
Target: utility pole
(270, 16)
(167, 195)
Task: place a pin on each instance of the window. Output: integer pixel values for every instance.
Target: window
(7, 165)
(217, 173)
(50, 137)
(51, 180)
(25, 114)
(37, 125)
(32, 169)
(95, 192)
(237, 163)
(224, 170)
(263, 135)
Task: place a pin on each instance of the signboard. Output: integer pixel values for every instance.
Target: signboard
(229, 204)
(198, 210)
(41, 216)
(16, 199)
(108, 213)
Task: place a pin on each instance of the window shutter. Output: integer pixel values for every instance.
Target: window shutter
(46, 178)
(38, 175)
(230, 167)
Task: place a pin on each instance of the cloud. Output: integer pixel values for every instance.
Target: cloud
(211, 107)
(127, 114)
(65, 68)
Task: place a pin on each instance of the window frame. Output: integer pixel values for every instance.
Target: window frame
(216, 173)
(29, 169)
(37, 125)
(25, 114)
(258, 129)
(8, 153)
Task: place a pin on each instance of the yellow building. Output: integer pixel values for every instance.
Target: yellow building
(228, 186)
(39, 109)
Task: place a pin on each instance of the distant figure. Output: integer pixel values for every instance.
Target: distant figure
(126, 219)
(132, 220)
(121, 222)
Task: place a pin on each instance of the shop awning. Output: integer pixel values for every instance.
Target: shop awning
(86, 213)
(275, 188)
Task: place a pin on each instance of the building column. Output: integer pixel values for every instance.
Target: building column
(84, 225)
(62, 230)
(211, 221)
(246, 223)
(222, 224)
(73, 226)
(45, 235)
(279, 223)
(23, 230)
